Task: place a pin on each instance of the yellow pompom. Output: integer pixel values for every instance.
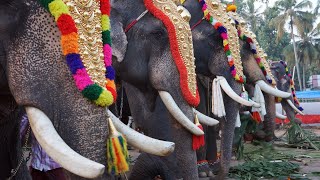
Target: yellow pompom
(105, 22)
(105, 99)
(57, 7)
(231, 7)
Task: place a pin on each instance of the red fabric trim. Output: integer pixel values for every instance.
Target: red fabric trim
(306, 119)
(66, 24)
(194, 101)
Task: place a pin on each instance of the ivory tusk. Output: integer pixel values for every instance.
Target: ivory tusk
(294, 107)
(206, 119)
(176, 112)
(57, 149)
(280, 116)
(229, 91)
(270, 90)
(142, 142)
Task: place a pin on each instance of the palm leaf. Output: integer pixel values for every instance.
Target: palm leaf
(303, 4)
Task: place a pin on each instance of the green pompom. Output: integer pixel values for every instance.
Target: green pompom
(106, 38)
(45, 3)
(92, 92)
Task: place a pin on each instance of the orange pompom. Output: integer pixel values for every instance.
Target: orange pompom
(69, 43)
(231, 7)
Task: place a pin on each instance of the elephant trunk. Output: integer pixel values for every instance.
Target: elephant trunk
(269, 118)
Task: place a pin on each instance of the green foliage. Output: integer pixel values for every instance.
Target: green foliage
(252, 170)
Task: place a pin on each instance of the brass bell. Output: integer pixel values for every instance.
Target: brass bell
(185, 14)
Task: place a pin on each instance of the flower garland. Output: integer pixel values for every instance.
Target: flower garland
(70, 48)
(293, 91)
(224, 35)
(253, 48)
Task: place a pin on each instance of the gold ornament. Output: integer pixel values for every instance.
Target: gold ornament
(87, 16)
(184, 37)
(217, 11)
(260, 52)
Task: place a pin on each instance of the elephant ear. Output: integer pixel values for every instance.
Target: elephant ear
(119, 38)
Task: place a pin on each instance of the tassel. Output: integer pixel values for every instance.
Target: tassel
(117, 152)
(197, 141)
(256, 117)
(218, 108)
(238, 121)
(259, 98)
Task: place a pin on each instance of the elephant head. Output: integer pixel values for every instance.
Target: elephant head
(285, 83)
(144, 57)
(35, 68)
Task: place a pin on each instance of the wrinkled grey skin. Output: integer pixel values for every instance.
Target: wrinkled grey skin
(38, 76)
(283, 83)
(144, 63)
(10, 112)
(210, 61)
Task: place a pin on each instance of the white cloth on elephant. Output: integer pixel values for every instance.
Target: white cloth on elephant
(259, 98)
(217, 99)
(238, 122)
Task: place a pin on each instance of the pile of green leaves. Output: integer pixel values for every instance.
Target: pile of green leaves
(301, 137)
(252, 170)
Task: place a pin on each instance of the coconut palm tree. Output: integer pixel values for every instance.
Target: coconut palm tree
(292, 11)
(307, 50)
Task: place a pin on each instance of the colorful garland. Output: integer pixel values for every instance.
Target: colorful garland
(70, 48)
(224, 35)
(293, 91)
(253, 48)
(191, 97)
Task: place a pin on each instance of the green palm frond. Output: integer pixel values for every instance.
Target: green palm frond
(303, 4)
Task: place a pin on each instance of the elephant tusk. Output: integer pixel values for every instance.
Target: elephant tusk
(206, 119)
(56, 148)
(280, 116)
(176, 112)
(228, 90)
(142, 142)
(275, 92)
(294, 107)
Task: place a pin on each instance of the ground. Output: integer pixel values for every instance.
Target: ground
(308, 159)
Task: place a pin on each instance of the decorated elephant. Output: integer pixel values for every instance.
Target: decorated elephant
(207, 43)
(284, 82)
(43, 83)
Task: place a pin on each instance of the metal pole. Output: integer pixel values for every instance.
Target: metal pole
(293, 72)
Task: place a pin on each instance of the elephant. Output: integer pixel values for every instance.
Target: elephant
(38, 79)
(283, 79)
(205, 39)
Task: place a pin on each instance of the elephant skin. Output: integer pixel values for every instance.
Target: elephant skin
(143, 61)
(38, 76)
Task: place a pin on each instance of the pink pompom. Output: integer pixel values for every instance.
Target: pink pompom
(82, 79)
(107, 51)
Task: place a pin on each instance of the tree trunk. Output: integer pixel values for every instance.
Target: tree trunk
(295, 54)
(304, 77)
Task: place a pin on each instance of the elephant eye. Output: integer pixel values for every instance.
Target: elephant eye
(158, 34)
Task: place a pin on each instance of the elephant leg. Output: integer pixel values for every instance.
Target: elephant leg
(10, 150)
(202, 163)
(211, 153)
(227, 134)
(148, 166)
(269, 118)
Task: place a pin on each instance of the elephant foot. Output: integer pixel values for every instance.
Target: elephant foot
(204, 169)
(215, 167)
(260, 135)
